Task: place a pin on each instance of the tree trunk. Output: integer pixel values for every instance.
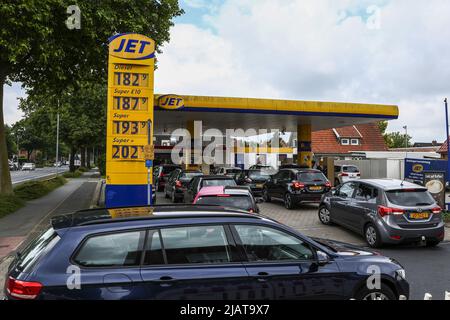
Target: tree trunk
(88, 158)
(5, 176)
(73, 152)
(83, 157)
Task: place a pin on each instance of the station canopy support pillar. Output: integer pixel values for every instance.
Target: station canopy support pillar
(192, 157)
(304, 154)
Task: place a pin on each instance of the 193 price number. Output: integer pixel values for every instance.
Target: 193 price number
(130, 127)
(126, 152)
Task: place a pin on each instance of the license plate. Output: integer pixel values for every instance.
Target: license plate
(419, 215)
(259, 185)
(315, 188)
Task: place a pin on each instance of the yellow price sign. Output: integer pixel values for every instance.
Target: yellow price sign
(130, 127)
(130, 103)
(127, 152)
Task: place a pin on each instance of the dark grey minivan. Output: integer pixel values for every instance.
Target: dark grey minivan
(384, 211)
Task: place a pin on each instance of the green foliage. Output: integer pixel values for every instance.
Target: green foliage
(36, 189)
(102, 164)
(28, 191)
(10, 142)
(83, 169)
(9, 204)
(75, 174)
(398, 140)
(446, 216)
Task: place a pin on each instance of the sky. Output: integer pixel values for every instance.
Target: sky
(368, 51)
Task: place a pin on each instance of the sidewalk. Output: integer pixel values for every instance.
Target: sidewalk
(26, 222)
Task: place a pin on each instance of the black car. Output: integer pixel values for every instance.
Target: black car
(177, 183)
(162, 173)
(255, 179)
(294, 186)
(193, 253)
(199, 182)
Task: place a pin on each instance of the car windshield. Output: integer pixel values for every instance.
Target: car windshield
(168, 169)
(218, 182)
(190, 175)
(233, 171)
(350, 169)
(410, 197)
(258, 174)
(311, 177)
(234, 201)
(35, 248)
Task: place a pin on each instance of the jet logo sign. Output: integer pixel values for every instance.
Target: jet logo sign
(131, 46)
(170, 102)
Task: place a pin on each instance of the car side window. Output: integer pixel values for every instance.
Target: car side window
(263, 243)
(153, 254)
(346, 190)
(111, 250)
(196, 245)
(366, 193)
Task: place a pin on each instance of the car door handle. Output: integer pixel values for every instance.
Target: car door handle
(166, 279)
(262, 276)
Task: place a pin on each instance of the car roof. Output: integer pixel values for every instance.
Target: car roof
(223, 190)
(213, 177)
(391, 184)
(301, 170)
(158, 212)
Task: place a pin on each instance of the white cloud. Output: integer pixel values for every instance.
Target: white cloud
(319, 50)
(11, 97)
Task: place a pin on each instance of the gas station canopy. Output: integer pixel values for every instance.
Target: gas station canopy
(227, 113)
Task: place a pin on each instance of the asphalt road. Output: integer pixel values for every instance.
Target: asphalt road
(18, 177)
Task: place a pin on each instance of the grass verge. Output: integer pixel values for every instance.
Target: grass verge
(28, 191)
(75, 174)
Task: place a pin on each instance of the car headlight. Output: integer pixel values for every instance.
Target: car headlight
(401, 273)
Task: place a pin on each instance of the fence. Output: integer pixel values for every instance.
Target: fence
(377, 168)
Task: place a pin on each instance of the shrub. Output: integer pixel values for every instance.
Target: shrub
(83, 169)
(10, 203)
(75, 174)
(36, 189)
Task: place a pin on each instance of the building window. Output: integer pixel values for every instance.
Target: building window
(355, 142)
(345, 142)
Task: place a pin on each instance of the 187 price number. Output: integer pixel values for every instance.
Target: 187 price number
(130, 103)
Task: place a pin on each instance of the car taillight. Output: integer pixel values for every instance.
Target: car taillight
(384, 211)
(298, 185)
(328, 184)
(344, 174)
(178, 184)
(436, 210)
(223, 195)
(23, 289)
(251, 211)
(358, 174)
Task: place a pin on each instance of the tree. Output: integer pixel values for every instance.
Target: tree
(38, 50)
(11, 144)
(398, 140)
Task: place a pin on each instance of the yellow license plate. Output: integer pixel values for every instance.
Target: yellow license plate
(419, 215)
(259, 185)
(315, 188)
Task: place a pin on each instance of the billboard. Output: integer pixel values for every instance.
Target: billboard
(415, 168)
(129, 119)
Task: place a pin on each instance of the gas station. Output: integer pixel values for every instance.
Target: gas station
(135, 114)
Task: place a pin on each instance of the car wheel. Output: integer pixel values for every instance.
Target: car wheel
(384, 293)
(266, 195)
(166, 195)
(288, 201)
(324, 215)
(432, 243)
(372, 236)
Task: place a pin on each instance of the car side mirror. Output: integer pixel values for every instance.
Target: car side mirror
(322, 258)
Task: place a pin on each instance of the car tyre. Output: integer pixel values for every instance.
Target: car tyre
(324, 215)
(266, 195)
(432, 243)
(173, 198)
(288, 203)
(384, 293)
(372, 236)
(166, 195)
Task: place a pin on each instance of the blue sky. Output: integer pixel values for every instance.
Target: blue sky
(371, 51)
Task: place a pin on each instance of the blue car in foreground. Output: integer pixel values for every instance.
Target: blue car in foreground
(193, 252)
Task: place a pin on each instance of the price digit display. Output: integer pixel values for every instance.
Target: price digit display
(130, 127)
(124, 152)
(130, 79)
(130, 103)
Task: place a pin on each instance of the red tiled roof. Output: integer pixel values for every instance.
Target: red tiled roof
(325, 141)
(443, 148)
(348, 132)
